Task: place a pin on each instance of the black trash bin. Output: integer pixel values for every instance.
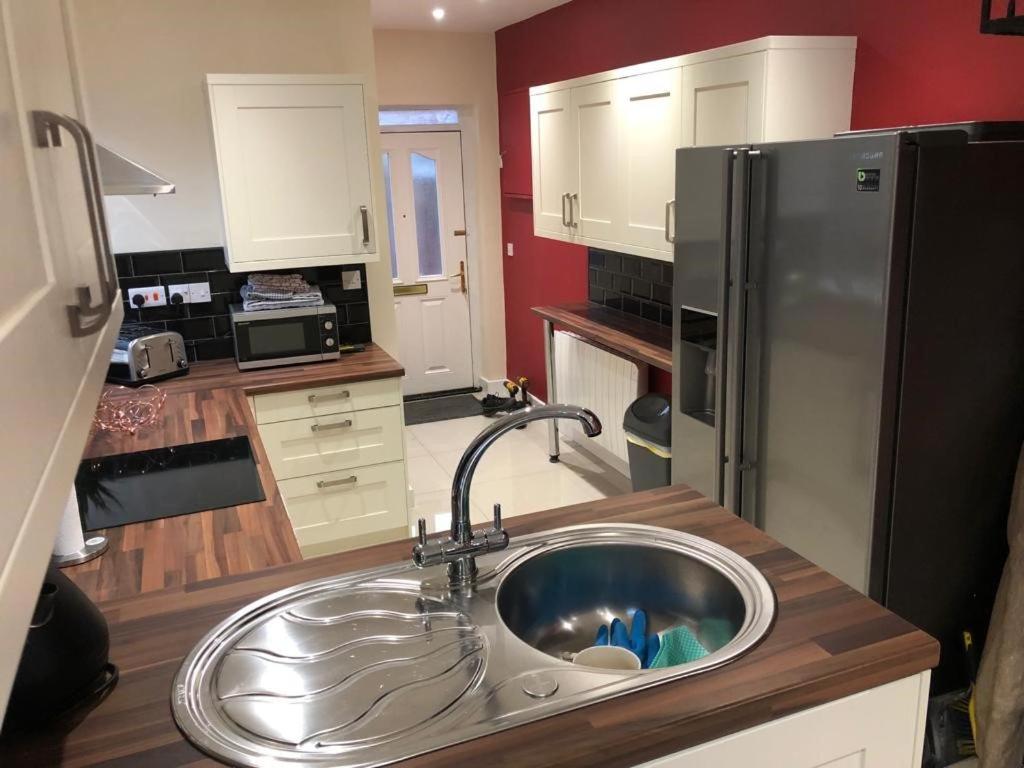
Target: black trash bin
(648, 425)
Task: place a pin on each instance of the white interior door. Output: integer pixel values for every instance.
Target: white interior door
(294, 170)
(427, 227)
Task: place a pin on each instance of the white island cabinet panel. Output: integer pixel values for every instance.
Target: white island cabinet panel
(880, 728)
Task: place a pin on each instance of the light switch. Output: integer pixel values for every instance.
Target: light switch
(199, 292)
(351, 279)
(509, 250)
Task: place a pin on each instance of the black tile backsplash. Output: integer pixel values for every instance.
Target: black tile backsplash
(206, 327)
(636, 285)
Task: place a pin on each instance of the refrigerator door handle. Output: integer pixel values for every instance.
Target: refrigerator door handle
(722, 335)
(734, 279)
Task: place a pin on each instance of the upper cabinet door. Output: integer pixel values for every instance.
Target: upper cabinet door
(651, 119)
(594, 206)
(555, 177)
(59, 308)
(723, 101)
(294, 170)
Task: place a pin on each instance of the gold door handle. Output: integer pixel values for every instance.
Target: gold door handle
(461, 274)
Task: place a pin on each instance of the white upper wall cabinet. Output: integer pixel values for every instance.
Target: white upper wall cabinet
(554, 164)
(294, 169)
(60, 309)
(604, 145)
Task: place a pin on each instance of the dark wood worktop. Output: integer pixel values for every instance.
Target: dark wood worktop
(208, 404)
(628, 335)
(828, 641)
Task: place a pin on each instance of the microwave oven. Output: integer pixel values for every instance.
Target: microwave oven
(270, 337)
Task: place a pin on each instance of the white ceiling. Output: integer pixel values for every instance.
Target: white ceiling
(460, 15)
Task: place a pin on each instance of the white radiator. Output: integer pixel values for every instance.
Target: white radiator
(605, 383)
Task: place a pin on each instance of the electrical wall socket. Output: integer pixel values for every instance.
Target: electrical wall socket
(190, 293)
(153, 296)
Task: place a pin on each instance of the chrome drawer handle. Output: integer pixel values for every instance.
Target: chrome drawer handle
(344, 394)
(351, 480)
(335, 425)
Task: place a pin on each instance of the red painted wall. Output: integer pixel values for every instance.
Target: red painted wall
(917, 62)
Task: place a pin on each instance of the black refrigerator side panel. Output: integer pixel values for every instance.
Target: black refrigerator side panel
(961, 410)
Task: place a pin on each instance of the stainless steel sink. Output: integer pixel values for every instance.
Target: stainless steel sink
(373, 667)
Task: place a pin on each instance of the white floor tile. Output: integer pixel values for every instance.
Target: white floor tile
(426, 475)
(551, 488)
(413, 447)
(451, 435)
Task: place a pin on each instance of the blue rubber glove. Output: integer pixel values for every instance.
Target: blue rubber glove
(634, 639)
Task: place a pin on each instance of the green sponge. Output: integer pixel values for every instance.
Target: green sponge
(678, 646)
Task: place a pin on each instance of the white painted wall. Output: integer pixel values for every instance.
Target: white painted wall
(457, 69)
(143, 64)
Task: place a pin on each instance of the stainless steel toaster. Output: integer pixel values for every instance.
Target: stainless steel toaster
(143, 355)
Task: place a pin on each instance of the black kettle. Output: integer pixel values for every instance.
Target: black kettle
(65, 659)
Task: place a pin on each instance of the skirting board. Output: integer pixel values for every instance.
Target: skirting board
(592, 450)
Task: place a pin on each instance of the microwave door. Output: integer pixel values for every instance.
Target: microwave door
(288, 340)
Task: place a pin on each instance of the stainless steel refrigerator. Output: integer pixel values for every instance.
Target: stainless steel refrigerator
(849, 355)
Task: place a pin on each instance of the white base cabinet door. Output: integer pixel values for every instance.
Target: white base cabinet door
(879, 728)
(294, 167)
(338, 455)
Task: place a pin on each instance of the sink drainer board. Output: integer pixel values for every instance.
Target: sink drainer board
(373, 667)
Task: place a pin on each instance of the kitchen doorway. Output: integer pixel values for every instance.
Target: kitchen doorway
(429, 258)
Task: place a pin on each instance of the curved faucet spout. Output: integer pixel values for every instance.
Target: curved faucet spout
(459, 552)
(467, 464)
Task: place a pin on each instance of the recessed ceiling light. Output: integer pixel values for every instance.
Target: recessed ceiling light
(437, 13)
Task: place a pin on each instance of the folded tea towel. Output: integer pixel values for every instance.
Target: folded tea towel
(279, 291)
(634, 639)
(677, 646)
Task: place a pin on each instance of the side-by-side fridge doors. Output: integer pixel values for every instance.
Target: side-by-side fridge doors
(781, 307)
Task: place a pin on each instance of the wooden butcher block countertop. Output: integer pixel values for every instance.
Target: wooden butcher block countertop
(828, 641)
(630, 336)
(209, 404)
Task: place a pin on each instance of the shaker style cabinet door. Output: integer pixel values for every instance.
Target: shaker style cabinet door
(594, 207)
(294, 170)
(59, 307)
(723, 101)
(555, 162)
(651, 132)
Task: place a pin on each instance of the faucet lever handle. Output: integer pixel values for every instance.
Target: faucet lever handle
(422, 531)
(497, 517)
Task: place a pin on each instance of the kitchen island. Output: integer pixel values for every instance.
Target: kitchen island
(828, 644)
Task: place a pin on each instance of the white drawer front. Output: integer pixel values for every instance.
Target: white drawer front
(341, 505)
(329, 443)
(324, 401)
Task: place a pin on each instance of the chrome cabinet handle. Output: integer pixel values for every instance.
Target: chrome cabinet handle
(364, 215)
(670, 216)
(565, 220)
(573, 199)
(343, 395)
(351, 480)
(335, 425)
(85, 317)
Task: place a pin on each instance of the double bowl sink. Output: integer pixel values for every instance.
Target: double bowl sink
(381, 665)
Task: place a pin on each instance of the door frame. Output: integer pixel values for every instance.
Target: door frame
(466, 128)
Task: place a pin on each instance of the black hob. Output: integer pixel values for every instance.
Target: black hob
(165, 482)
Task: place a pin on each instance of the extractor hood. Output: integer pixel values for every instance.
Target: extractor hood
(122, 176)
